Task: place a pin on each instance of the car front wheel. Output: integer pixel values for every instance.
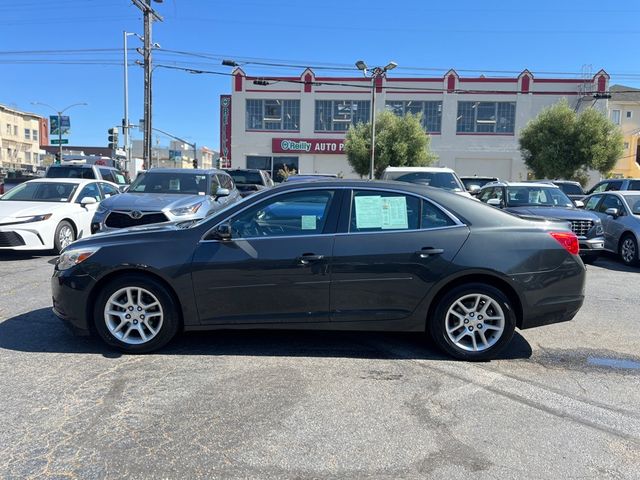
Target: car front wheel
(629, 250)
(473, 322)
(136, 314)
(64, 236)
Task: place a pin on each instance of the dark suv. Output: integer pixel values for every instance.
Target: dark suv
(615, 184)
(249, 181)
(545, 200)
(89, 171)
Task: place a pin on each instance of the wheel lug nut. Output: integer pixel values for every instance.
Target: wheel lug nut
(471, 314)
(471, 328)
(480, 317)
(139, 309)
(135, 322)
(141, 317)
(127, 316)
(466, 320)
(130, 308)
(479, 326)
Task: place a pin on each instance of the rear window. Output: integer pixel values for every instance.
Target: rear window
(70, 172)
(570, 189)
(445, 180)
(634, 185)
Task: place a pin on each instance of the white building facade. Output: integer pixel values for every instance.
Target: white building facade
(20, 140)
(473, 122)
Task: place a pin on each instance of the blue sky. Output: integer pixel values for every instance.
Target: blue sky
(424, 37)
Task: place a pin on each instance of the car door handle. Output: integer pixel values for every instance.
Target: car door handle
(427, 251)
(307, 258)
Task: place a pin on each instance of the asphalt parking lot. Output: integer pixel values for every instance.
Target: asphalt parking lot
(562, 402)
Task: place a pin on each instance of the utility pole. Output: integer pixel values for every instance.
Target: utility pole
(125, 120)
(149, 15)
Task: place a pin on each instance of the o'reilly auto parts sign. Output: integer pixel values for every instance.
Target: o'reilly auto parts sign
(312, 146)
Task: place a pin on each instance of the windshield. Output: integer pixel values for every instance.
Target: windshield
(537, 197)
(70, 172)
(173, 183)
(245, 177)
(41, 192)
(634, 203)
(446, 180)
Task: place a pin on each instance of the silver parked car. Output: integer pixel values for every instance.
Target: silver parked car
(620, 214)
(167, 195)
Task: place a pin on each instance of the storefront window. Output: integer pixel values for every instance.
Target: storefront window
(273, 165)
(431, 112)
(273, 115)
(339, 115)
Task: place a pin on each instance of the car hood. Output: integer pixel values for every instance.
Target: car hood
(150, 201)
(552, 212)
(10, 210)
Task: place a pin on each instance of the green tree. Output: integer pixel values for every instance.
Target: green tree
(559, 143)
(400, 141)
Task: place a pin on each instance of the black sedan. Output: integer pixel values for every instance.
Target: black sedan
(339, 255)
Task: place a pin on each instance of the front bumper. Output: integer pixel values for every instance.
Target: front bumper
(70, 293)
(591, 245)
(22, 237)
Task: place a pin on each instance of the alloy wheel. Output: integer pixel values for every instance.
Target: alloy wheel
(475, 322)
(65, 236)
(133, 315)
(628, 250)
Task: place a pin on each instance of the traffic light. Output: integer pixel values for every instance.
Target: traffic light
(113, 138)
(195, 163)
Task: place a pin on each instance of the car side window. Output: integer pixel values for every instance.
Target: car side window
(289, 214)
(377, 211)
(634, 185)
(107, 175)
(433, 217)
(226, 181)
(592, 203)
(108, 190)
(215, 184)
(90, 190)
(614, 186)
(610, 201)
(600, 188)
(486, 195)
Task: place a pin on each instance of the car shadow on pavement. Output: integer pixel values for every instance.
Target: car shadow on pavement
(613, 262)
(40, 331)
(13, 255)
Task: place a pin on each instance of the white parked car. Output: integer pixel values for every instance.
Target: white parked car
(50, 213)
(439, 177)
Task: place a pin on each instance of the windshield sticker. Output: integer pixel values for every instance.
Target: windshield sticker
(308, 222)
(174, 184)
(394, 213)
(201, 193)
(369, 212)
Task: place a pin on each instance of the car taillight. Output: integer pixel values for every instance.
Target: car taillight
(568, 240)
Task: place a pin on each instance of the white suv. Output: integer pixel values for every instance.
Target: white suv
(439, 177)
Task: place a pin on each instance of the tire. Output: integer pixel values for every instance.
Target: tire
(65, 234)
(470, 325)
(146, 316)
(628, 249)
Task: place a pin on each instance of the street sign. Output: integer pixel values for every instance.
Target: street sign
(56, 141)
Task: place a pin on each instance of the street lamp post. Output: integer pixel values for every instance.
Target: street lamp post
(376, 72)
(59, 113)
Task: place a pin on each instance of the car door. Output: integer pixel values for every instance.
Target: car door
(85, 212)
(612, 226)
(276, 265)
(392, 247)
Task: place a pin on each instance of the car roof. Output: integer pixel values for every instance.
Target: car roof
(520, 184)
(79, 181)
(197, 171)
(478, 177)
(418, 169)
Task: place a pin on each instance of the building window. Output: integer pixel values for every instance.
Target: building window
(34, 134)
(35, 157)
(27, 134)
(629, 114)
(27, 157)
(626, 145)
(431, 112)
(486, 117)
(8, 129)
(15, 130)
(615, 116)
(339, 115)
(273, 165)
(273, 115)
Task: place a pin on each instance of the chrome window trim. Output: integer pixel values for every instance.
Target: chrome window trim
(456, 220)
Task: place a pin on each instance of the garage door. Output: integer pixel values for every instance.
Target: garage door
(484, 167)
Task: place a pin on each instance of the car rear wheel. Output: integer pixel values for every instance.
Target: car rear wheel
(473, 322)
(136, 314)
(64, 236)
(629, 250)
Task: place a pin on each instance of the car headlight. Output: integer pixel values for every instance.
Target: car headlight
(33, 218)
(190, 210)
(74, 256)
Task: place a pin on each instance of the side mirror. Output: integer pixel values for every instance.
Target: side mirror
(222, 192)
(495, 202)
(223, 232)
(473, 189)
(88, 201)
(123, 188)
(612, 211)
(578, 203)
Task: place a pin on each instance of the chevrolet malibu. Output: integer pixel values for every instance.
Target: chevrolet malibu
(339, 255)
